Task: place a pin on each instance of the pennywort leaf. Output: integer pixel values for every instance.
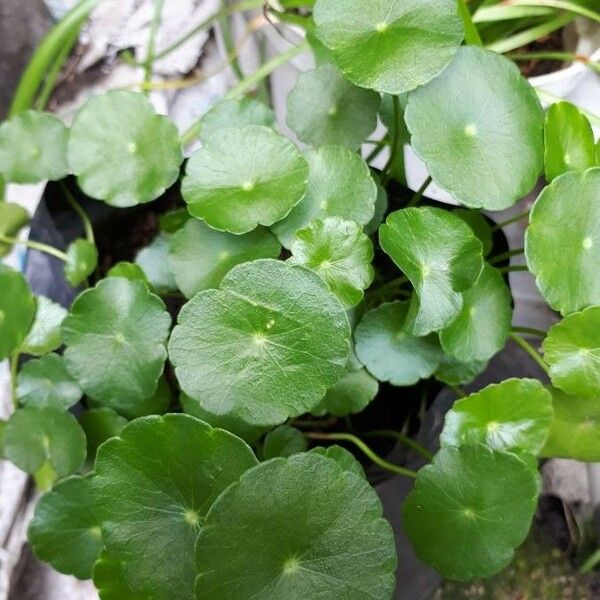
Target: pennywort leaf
(44, 335)
(99, 425)
(154, 262)
(13, 218)
(82, 258)
(283, 441)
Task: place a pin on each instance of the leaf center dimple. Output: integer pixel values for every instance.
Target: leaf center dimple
(587, 243)
(471, 130)
(132, 148)
(248, 186)
(381, 26)
(191, 517)
(291, 566)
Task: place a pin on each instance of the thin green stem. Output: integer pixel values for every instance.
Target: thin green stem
(504, 255)
(396, 141)
(375, 152)
(519, 217)
(348, 437)
(513, 269)
(527, 347)
(472, 36)
(457, 390)
(530, 331)
(418, 195)
(572, 7)
(391, 287)
(247, 83)
(403, 439)
(230, 48)
(85, 220)
(545, 96)
(562, 56)
(14, 368)
(151, 52)
(35, 246)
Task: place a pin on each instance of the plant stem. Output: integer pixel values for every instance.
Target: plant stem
(457, 390)
(230, 47)
(510, 221)
(151, 52)
(386, 173)
(529, 349)
(14, 368)
(85, 220)
(348, 437)
(376, 151)
(403, 439)
(508, 254)
(35, 246)
(563, 56)
(389, 287)
(545, 96)
(530, 331)
(418, 195)
(243, 86)
(566, 5)
(513, 269)
(472, 36)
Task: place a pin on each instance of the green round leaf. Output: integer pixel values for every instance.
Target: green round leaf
(13, 218)
(387, 45)
(231, 423)
(110, 581)
(283, 441)
(115, 336)
(82, 258)
(223, 187)
(340, 253)
(572, 350)
(153, 485)
(235, 113)
(479, 225)
(351, 394)
(454, 372)
(17, 310)
(512, 415)
(33, 147)
(123, 152)
(469, 509)
(441, 257)
(569, 141)
(325, 108)
(46, 382)
(265, 346)
(44, 335)
(100, 424)
(391, 354)
(173, 220)
(343, 457)
(483, 324)
(37, 435)
(339, 185)
(129, 270)
(566, 273)
(381, 207)
(65, 529)
(200, 257)
(154, 261)
(340, 548)
(575, 428)
(478, 128)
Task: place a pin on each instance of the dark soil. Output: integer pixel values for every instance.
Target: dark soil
(549, 43)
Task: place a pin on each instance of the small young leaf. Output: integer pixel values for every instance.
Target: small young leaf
(82, 260)
(283, 441)
(46, 382)
(390, 46)
(575, 428)
(324, 549)
(339, 185)
(469, 510)
(173, 220)
(35, 436)
(154, 261)
(440, 255)
(65, 529)
(100, 424)
(343, 457)
(569, 141)
(115, 335)
(572, 350)
(17, 310)
(223, 187)
(454, 372)
(265, 346)
(44, 335)
(479, 129)
(235, 113)
(351, 394)
(325, 108)
(128, 270)
(153, 485)
(389, 352)
(110, 580)
(512, 415)
(340, 253)
(123, 152)
(483, 324)
(563, 259)
(200, 257)
(33, 147)
(13, 218)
